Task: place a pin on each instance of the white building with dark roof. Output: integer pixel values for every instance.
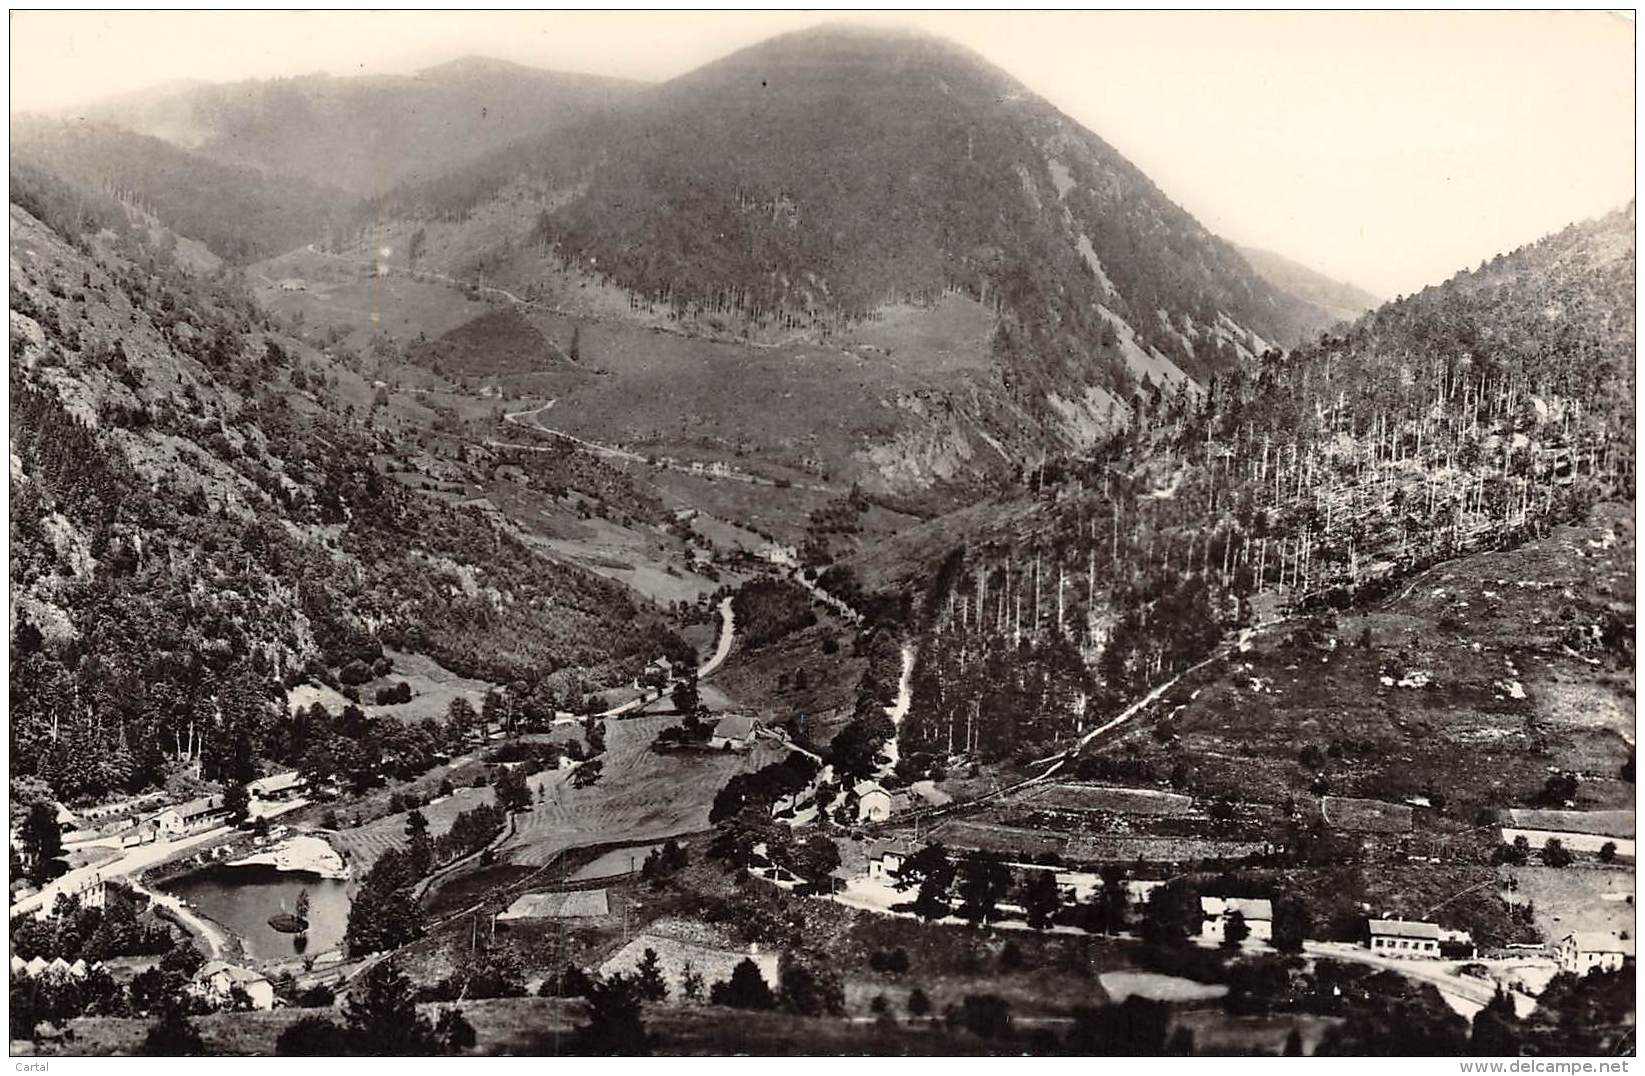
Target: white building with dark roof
(1406, 938)
(1216, 911)
(1582, 951)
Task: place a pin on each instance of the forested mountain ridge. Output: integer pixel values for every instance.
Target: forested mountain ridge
(365, 134)
(1340, 299)
(1474, 414)
(242, 214)
(801, 186)
(196, 526)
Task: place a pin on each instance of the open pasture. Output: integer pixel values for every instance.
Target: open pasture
(641, 795)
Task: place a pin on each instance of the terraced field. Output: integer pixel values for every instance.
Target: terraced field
(362, 845)
(641, 795)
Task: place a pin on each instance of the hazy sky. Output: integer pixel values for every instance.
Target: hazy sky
(1389, 149)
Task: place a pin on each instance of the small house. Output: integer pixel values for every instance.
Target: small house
(734, 732)
(1216, 911)
(1078, 885)
(873, 802)
(277, 787)
(884, 861)
(1583, 951)
(193, 816)
(216, 980)
(1406, 938)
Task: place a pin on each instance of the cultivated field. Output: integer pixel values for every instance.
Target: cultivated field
(1132, 801)
(1606, 823)
(1574, 898)
(1365, 816)
(641, 795)
(364, 844)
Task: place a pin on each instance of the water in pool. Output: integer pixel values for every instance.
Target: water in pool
(243, 898)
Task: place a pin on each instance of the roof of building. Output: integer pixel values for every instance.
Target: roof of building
(1404, 928)
(863, 788)
(883, 848)
(1250, 907)
(236, 974)
(276, 782)
(736, 726)
(65, 817)
(581, 904)
(196, 807)
(1599, 941)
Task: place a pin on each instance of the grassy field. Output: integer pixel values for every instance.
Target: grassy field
(953, 333)
(432, 688)
(641, 795)
(1134, 801)
(338, 295)
(1574, 898)
(1156, 987)
(362, 845)
(1365, 816)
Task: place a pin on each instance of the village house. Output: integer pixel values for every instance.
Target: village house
(885, 859)
(277, 787)
(735, 732)
(216, 980)
(873, 802)
(1216, 911)
(1403, 938)
(193, 816)
(1583, 951)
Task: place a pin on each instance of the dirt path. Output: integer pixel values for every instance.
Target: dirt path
(722, 650)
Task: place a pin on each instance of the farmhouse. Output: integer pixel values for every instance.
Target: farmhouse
(216, 980)
(884, 860)
(1584, 950)
(277, 787)
(1216, 911)
(193, 816)
(873, 802)
(1403, 938)
(735, 732)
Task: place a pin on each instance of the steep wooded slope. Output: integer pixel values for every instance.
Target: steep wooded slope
(1475, 414)
(195, 525)
(240, 213)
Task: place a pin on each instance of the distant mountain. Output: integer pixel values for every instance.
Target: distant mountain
(1341, 300)
(365, 134)
(240, 213)
(805, 185)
